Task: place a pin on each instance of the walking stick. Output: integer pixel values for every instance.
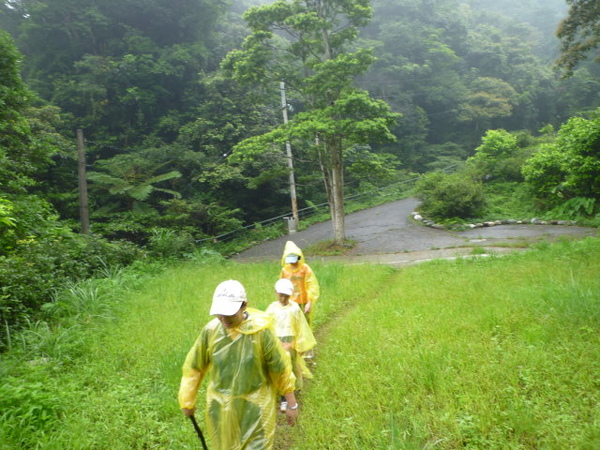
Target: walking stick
(199, 431)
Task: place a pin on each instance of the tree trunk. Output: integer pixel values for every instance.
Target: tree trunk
(325, 164)
(330, 160)
(84, 211)
(337, 187)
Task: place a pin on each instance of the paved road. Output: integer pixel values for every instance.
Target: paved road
(385, 233)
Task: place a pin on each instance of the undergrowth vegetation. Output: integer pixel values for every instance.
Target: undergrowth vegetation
(496, 352)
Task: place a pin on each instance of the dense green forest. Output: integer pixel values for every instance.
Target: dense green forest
(179, 105)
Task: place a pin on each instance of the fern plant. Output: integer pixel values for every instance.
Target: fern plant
(575, 208)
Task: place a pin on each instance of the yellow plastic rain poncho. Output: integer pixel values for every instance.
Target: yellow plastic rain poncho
(306, 285)
(291, 327)
(248, 367)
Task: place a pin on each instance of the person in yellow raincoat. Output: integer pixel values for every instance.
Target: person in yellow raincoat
(306, 285)
(248, 368)
(293, 331)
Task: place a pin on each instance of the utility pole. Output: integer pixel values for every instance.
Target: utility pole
(288, 149)
(84, 212)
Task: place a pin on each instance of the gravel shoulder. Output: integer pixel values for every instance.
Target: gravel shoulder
(386, 234)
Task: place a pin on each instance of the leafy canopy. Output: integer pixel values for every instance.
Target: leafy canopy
(579, 34)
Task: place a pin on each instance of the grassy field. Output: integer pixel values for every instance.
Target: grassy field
(499, 352)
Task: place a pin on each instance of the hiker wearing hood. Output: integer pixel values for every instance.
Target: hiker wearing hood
(248, 369)
(306, 285)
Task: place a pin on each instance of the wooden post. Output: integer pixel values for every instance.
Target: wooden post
(84, 212)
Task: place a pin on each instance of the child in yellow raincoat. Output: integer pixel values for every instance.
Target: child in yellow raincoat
(293, 331)
(306, 285)
(248, 368)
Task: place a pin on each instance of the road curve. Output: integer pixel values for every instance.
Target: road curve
(386, 233)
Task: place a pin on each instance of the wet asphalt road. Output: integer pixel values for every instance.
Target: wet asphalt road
(388, 230)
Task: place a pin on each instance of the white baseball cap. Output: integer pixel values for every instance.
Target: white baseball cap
(284, 286)
(228, 298)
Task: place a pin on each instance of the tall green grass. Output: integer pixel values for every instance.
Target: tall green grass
(479, 353)
(120, 390)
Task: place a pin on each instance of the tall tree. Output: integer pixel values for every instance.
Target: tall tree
(307, 44)
(15, 134)
(455, 67)
(131, 74)
(27, 139)
(579, 33)
(27, 143)
(117, 67)
(419, 72)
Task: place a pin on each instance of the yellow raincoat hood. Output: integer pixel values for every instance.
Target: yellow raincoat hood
(306, 285)
(292, 249)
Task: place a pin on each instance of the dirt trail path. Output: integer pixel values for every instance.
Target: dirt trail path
(385, 234)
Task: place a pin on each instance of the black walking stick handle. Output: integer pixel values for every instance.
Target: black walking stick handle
(198, 431)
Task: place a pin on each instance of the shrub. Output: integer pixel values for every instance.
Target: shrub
(30, 275)
(569, 167)
(7, 223)
(24, 216)
(509, 200)
(450, 196)
(501, 155)
(167, 243)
